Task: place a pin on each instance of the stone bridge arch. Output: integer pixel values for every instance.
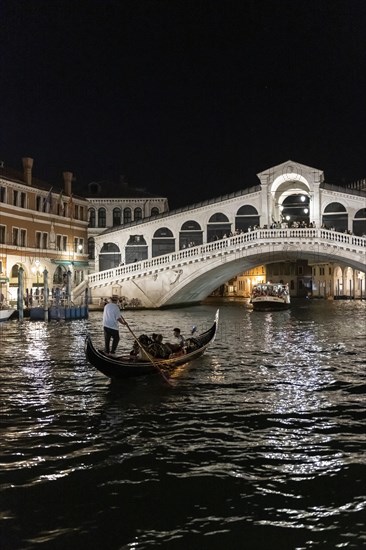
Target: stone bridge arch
(190, 275)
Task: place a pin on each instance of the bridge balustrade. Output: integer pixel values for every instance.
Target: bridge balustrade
(200, 252)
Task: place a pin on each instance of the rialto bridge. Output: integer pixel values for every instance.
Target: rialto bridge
(182, 256)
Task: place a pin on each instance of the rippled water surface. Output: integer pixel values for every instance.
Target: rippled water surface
(260, 444)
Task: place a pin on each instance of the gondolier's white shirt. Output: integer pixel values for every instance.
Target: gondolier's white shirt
(111, 314)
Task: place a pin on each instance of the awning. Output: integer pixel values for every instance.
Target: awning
(75, 263)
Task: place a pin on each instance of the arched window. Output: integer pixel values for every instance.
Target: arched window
(219, 217)
(190, 234)
(14, 271)
(91, 217)
(127, 215)
(136, 249)
(335, 217)
(137, 214)
(295, 209)
(359, 223)
(163, 232)
(218, 227)
(58, 276)
(109, 257)
(247, 216)
(334, 207)
(154, 211)
(102, 218)
(117, 216)
(163, 242)
(91, 248)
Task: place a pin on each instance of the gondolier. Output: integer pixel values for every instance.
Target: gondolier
(111, 317)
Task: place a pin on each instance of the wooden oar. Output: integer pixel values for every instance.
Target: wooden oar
(150, 358)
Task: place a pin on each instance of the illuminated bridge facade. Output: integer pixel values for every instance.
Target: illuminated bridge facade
(182, 256)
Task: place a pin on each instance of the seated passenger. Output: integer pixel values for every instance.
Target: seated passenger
(178, 339)
(178, 342)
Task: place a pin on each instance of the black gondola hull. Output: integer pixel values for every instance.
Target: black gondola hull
(127, 367)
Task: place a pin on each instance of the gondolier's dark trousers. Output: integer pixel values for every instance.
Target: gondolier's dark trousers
(111, 334)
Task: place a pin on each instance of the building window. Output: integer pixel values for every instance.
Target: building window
(127, 215)
(23, 198)
(138, 214)
(58, 242)
(14, 271)
(76, 212)
(23, 237)
(154, 211)
(2, 234)
(38, 239)
(15, 198)
(91, 217)
(15, 239)
(116, 216)
(91, 248)
(2, 194)
(78, 245)
(102, 217)
(44, 240)
(58, 276)
(39, 203)
(64, 243)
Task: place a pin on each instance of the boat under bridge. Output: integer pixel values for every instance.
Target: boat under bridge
(192, 274)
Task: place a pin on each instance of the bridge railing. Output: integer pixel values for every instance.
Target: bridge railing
(229, 243)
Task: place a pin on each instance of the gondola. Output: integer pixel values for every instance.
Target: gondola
(127, 366)
(6, 312)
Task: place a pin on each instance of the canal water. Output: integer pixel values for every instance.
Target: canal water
(260, 444)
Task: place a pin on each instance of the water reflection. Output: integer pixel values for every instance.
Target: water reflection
(264, 435)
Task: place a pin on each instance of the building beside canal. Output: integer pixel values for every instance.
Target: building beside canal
(114, 205)
(42, 227)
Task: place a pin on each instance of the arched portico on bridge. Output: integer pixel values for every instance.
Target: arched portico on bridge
(290, 196)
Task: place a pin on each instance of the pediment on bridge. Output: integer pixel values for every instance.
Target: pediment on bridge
(291, 171)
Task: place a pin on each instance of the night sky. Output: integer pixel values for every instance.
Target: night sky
(188, 99)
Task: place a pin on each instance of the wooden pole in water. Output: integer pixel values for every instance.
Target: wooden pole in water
(20, 294)
(45, 294)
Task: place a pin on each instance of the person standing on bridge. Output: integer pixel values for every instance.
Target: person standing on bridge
(111, 317)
